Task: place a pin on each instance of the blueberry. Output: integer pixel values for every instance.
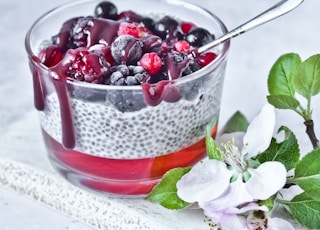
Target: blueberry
(126, 49)
(127, 75)
(166, 27)
(151, 43)
(106, 10)
(199, 36)
(147, 22)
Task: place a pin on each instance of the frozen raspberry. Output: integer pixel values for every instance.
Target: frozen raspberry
(107, 10)
(51, 55)
(151, 62)
(126, 28)
(198, 37)
(128, 75)
(126, 49)
(87, 66)
(182, 46)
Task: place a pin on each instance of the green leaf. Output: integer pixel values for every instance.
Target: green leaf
(307, 78)
(307, 174)
(165, 193)
(305, 210)
(283, 101)
(236, 123)
(281, 74)
(287, 152)
(213, 150)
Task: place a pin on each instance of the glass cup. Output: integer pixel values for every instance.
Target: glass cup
(107, 138)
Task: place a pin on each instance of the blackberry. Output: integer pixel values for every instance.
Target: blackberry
(179, 65)
(106, 10)
(127, 75)
(199, 36)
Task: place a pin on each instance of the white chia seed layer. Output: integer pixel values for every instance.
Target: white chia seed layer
(102, 130)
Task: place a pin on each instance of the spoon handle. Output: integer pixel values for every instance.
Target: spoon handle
(275, 11)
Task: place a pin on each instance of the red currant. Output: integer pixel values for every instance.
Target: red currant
(151, 62)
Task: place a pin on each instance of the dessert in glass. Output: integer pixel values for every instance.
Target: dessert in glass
(122, 94)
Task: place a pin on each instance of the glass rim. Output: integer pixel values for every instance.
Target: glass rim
(195, 75)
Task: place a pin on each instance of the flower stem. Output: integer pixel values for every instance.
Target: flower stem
(311, 134)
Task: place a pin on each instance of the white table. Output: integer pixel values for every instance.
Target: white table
(28, 184)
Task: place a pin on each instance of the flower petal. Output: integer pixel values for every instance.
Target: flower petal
(259, 133)
(206, 181)
(236, 136)
(236, 195)
(266, 180)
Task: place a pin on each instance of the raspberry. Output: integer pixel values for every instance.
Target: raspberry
(129, 29)
(87, 66)
(151, 62)
(182, 46)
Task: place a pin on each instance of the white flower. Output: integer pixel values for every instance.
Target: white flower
(232, 183)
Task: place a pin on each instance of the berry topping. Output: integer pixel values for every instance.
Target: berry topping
(129, 29)
(151, 43)
(182, 46)
(126, 49)
(166, 27)
(51, 55)
(106, 10)
(128, 75)
(205, 59)
(151, 62)
(186, 27)
(198, 37)
(87, 66)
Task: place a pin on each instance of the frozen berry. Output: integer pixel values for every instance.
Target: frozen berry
(87, 66)
(107, 10)
(199, 36)
(182, 46)
(166, 27)
(51, 55)
(129, 29)
(151, 62)
(127, 75)
(126, 49)
(151, 43)
(186, 27)
(206, 58)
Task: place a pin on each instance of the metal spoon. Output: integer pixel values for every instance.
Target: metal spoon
(275, 11)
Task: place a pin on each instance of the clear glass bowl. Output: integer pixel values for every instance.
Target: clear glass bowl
(97, 144)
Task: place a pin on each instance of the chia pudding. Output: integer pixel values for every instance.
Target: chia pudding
(123, 96)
